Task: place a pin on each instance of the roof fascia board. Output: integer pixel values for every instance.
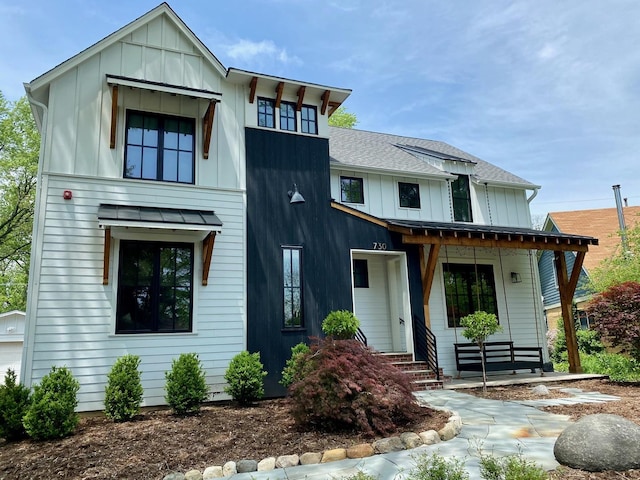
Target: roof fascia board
(103, 222)
(162, 87)
(118, 35)
(395, 173)
(514, 185)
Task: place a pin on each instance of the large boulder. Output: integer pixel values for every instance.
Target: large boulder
(600, 442)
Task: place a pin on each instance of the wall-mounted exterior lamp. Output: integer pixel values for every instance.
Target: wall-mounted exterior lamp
(295, 195)
(515, 277)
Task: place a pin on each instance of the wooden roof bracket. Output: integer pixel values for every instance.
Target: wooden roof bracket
(279, 90)
(567, 289)
(300, 98)
(207, 252)
(106, 254)
(114, 116)
(207, 126)
(325, 101)
(252, 89)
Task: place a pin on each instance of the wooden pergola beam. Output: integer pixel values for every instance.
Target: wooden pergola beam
(279, 90)
(207, 127)
(207, 252)
(509, 242)
(567, 288)
(106, 254)
(114, 116)
(252, 89)
(300, 98)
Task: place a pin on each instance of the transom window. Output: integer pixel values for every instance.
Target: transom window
(351, 189)
(468, 288)
(461, 199)
(266, 113)
(155, 287)
(309, 119)
(288, 116)
(360, 273)
(409, 195)
(159, 147)
(292, 286)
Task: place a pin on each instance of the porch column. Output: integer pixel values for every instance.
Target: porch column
(427, 272)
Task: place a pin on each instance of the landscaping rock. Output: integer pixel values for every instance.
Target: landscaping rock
(600, 442)
(362, 450)
(430, 437)
(334, 455)
(267, 464)
(285, 461)
(386, 445)
(229, 468)
(212, 472)
(540, 390)
(310, 458)
(447, 432)
(245, 466)
(193, 475)
(410, 440)
(456, 422)
(174, 476)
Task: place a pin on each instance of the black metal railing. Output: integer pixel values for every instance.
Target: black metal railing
(361, 337)
(426, 348)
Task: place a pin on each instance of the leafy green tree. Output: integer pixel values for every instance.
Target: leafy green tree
(622, 266)
(477, 327)
(342, 118)
(19, 147)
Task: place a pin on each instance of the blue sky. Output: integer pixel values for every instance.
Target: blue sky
(548, 90)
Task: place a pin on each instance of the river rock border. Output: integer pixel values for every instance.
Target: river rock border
(406, 441)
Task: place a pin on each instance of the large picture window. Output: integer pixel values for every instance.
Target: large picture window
(155, 287)
(292, 286)
(461, 199)
(266, 113)
(468, 288)
(351, 190)
(159, 148)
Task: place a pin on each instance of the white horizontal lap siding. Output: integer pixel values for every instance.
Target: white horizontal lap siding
(75, 312)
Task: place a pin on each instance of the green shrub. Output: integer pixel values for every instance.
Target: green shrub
(346, 386)
(52, 410)
(14, 401)
(340, 324)
(123, 393)
(186, 386)
(361, 476)
(436, 467)
(294, 365)
(618, 367)
(511, 467)
(245, 378)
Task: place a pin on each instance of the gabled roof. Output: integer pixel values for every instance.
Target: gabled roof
(359, 149)
(601, 223)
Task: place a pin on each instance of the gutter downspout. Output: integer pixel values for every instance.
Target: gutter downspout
(29, 328)
(533, 195)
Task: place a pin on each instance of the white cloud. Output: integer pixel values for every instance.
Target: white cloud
(247, 50)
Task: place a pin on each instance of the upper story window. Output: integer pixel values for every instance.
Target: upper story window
(461, 199)
(155, 287)
(409, 195)
(288, 116)
(468, 288)
(309, 119)
(159, 147)
(266, 113)
(351, 189)
(292, 287)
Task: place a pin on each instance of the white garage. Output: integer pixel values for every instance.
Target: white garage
(11, 339)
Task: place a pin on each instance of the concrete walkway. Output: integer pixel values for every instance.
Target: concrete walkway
(488, 426)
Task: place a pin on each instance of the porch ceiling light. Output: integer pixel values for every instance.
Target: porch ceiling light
(295, 195)
(515, 277)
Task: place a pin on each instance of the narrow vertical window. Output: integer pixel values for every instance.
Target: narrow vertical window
(266, 115)
(461, 199)
(351, 190)
(309, 122)
(360, 273)
(409, 194)
(288, 116)
(292, 286)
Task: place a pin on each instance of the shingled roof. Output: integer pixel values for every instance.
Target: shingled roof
(350, 148)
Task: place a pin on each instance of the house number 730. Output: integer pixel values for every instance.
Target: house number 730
(379, 246)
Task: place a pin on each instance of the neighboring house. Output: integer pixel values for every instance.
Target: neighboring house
(11, 338)
(602, 223)
(185, 207)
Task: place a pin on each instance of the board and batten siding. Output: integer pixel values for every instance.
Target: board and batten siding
(78, 129)
(73, 313)
(519, 306)
(501, 206)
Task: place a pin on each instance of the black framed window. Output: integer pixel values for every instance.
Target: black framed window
(351, 190)
(266, 113)
(155, 287)
(360, 273)
(409, 195)
(159, 147)
(288, 116)
(292, 287)
(309, 119)
(468, 288)
(461, 199)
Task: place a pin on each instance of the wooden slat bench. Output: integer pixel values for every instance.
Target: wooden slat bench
(498, 356)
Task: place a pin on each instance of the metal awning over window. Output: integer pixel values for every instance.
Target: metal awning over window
(135, 216)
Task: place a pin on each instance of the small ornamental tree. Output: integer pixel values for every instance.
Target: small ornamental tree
(477, 327)
(123, 393)
(14, 401)
(186, 384)
(340, 324)
(615, 314)
(245, 378)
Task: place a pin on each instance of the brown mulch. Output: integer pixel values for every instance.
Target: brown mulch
(157, 442)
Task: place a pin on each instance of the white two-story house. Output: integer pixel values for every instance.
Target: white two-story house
(186, 207)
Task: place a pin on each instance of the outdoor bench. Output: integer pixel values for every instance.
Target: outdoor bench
(498, 356)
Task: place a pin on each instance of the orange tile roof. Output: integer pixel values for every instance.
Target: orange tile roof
(600, 223)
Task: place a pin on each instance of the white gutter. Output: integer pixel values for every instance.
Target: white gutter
(533, 195)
